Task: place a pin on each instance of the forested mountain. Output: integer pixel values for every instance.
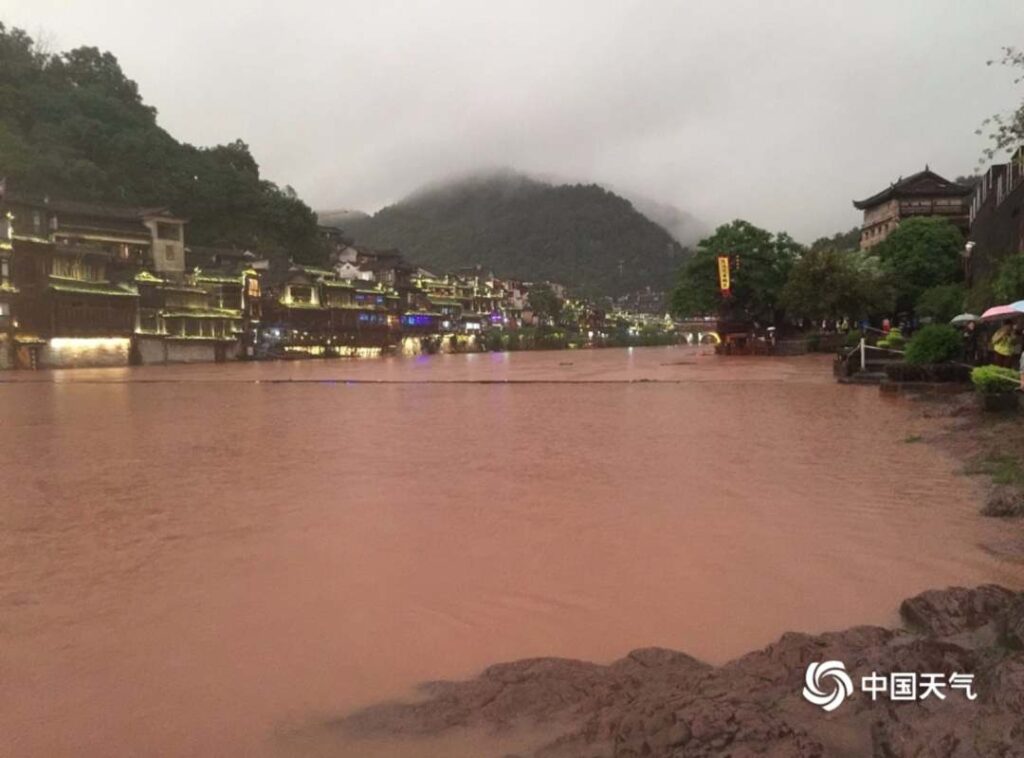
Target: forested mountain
(73, 126)
(579, 235)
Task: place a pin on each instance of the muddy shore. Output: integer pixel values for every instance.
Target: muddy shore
(659, 702)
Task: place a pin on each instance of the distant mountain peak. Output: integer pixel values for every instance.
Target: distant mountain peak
(340, 217)
(582, 235)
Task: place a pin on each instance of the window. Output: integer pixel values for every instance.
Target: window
(302, 294)
(5, 270)
(5, 309)
(170, 252)
(166, 231)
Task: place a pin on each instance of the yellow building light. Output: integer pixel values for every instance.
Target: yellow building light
(89, 343)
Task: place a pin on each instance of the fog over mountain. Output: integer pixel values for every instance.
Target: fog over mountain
(780, 113)
(580, 235)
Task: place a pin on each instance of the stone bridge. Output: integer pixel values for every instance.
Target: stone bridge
(698, 331)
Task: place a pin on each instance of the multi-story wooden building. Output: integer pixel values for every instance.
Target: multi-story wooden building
(922, 194)
(101, 285)
(73, 265)
(312, 311)
(8, 295)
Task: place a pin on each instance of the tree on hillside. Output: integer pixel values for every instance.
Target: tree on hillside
(544, 302)
(761, 263)
(919, 254)
(828, 284)
(74, 126)
(1006, 130)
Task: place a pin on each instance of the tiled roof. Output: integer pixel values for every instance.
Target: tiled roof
(923, 183)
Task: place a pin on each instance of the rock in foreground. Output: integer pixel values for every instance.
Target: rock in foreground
(657, 702)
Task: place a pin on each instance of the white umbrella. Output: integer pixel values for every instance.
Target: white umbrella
(964, 318)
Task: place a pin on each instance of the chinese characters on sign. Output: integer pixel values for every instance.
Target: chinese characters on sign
(724, 283)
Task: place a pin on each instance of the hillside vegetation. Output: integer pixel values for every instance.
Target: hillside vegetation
(73, 126)
(580, 235)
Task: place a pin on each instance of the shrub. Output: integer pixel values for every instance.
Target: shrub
(936, 343)
(991, 380)
(893, 340)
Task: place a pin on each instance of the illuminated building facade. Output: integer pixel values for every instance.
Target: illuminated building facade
(8, 295)
(100, 285)
(313, 311)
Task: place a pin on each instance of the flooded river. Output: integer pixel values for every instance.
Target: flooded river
(210, 560)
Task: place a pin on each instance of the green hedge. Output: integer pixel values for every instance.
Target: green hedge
(991, 380)
(936, 343)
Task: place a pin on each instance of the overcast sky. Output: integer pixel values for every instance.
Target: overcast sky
(777, 112)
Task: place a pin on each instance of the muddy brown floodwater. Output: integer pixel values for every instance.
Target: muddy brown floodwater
(209, 560)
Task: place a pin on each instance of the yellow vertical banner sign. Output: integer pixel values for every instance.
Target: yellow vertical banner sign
(723, 274)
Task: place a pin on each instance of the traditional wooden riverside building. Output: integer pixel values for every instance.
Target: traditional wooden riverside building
(73, 265)
(922, 194)
(8, 295)
(997, 217)
(313, 312)
(103, 285)
(233, 281)
(181, 322)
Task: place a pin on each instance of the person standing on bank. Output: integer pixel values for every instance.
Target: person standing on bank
(970, 335)
(1002, 344)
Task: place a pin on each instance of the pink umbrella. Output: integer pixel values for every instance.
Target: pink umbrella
(1000, 311)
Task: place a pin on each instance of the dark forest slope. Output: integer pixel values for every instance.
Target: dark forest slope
(579, 235)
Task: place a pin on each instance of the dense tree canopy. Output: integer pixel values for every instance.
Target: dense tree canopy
(544, 302)
(942, 303)
(1008, 286)
(761, 262)
(829, 284)
(841, 241)
(72, 125)
(919, 254)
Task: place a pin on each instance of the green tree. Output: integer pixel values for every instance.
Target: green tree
(761, 262)
(941, 303)
(935, 343)
(826, 283)
(74, 126)
(1006, 130)
(841, 241)
(919, 254)
(1008, 286)
(544, 302)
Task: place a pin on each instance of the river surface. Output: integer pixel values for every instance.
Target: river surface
(211, 560)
